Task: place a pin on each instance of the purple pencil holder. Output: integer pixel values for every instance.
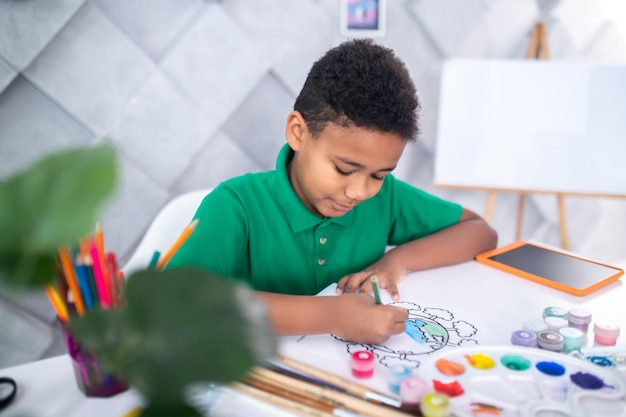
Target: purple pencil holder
(91, 378)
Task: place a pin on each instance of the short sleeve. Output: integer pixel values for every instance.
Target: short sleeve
(416, 213)
(219, 240)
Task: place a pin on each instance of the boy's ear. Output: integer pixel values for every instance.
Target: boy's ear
(295, 130)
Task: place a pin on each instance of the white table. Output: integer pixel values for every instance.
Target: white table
(496, 302)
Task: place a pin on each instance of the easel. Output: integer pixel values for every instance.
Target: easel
(537, 49)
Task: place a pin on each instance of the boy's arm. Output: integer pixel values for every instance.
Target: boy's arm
(354, 317)
(458, 243)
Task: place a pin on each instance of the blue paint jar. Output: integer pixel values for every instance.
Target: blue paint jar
(398, 373)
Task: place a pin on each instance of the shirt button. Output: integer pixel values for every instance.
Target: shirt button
(321, 261)
(323, 240)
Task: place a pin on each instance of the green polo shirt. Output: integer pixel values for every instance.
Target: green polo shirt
(255, 228)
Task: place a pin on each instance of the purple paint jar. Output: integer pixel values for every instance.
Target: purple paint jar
(524, 338)
(579, 318)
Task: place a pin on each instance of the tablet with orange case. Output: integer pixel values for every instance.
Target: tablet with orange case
(561, 270)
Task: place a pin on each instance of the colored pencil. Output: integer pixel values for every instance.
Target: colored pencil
(121, 278)
(99, 277)
(83, 282)
(376, 289)
(91, 279)
(80, 279)
(70, 277)
(99, 236)
(111, 268)
(154, 260)
(61, 283)
(57, 302)
(179, 242)
(84, 247)
(351, 387)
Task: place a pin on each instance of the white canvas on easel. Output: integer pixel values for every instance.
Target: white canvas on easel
(538, 126)
(532, 127)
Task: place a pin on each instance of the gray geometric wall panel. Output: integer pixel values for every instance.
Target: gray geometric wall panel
(26, 27)
(32, 125)
(107, 69)
(7, 74)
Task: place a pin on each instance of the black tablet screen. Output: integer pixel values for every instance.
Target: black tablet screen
(558, 267)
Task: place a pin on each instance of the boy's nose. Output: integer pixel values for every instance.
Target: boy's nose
(357, 190)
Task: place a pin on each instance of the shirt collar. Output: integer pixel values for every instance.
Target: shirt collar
(297, 214)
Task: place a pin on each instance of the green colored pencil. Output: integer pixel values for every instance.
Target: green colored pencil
(155, 259)
(374, 280)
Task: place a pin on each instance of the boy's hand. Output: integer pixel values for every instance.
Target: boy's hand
(388, 278)
(360, 320)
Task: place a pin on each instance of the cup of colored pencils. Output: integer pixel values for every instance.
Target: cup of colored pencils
(87, 277)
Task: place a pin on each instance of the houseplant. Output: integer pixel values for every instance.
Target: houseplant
(178, 327)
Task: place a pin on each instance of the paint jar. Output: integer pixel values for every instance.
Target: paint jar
(92, 379)
(550, 340)
(535, 326)
(579, 318)
(555, 312)
(555, 323)
(362, 364)
(412, 390)
(435, 404)
(573, 338)
(398, 373)
(606, 333)
(524, 338)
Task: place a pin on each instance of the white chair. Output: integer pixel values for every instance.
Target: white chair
(165, 228)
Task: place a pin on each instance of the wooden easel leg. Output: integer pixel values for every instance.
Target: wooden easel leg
(533, 46)
(544, 52)
(563, 222)
(520, 215)
(491, 201)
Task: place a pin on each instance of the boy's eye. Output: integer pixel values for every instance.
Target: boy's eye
(342, 172)
(346, 173)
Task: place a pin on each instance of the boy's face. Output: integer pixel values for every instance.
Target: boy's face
(341, 167)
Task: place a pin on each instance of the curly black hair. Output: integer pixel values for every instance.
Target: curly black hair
(360, 83)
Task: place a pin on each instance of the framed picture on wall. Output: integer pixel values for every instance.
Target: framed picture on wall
(363, 18)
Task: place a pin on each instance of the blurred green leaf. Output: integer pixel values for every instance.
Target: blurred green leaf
(55, 202)
(179, 327)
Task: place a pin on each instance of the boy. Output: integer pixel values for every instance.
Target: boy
(331, 207)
